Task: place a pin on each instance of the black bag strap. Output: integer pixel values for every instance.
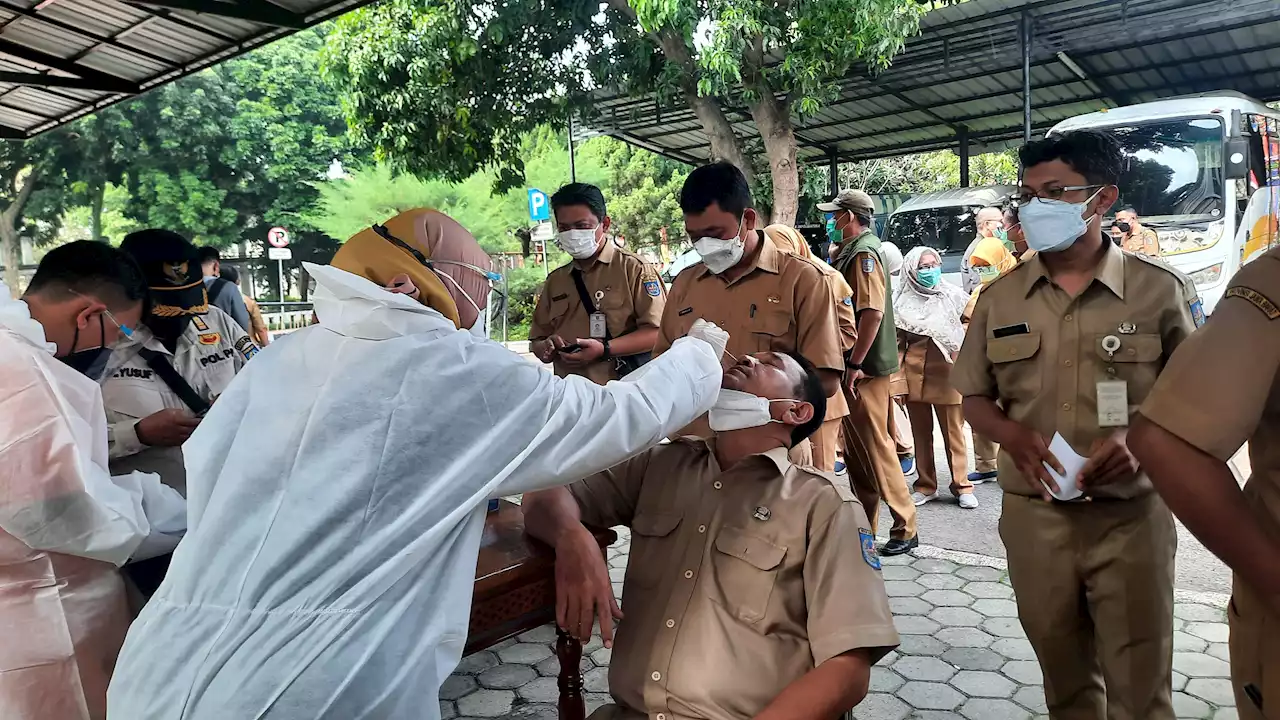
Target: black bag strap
(585, 296)
(160, 364)
(216, 288)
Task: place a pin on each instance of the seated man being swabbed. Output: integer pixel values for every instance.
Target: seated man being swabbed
(337, 490)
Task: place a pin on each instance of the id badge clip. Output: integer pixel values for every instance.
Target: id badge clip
(1112, 392)
(598, 326)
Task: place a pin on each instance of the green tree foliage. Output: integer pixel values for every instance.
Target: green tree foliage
(35, 179)
(928, 172)
(642, 194)
(447, 87)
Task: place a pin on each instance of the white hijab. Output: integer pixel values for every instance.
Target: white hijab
(931, 311)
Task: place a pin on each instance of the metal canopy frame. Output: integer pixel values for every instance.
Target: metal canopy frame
(63, 59)
(985, 74)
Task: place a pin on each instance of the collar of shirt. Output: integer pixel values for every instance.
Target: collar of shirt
(766, 258)
(605, 256)
(1109, 272)
(778, 456)
(16, 315)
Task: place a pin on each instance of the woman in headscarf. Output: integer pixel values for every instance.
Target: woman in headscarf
(337, 489)
(826, 440)
(927, 311)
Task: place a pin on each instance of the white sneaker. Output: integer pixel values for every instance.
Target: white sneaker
(968, 501)
(919, 498)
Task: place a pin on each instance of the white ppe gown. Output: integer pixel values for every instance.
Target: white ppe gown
(337, 496)
(65, 527)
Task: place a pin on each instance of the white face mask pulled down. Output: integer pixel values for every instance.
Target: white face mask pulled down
(737, 410)
(580, 244)
(719, 254)
(1054, 225)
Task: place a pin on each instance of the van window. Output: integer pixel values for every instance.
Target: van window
(948, 230)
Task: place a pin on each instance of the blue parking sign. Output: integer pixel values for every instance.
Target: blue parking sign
(539, 206)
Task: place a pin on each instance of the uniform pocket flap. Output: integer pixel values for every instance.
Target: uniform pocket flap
(774, 322)
(1133, 348)
(655, 524)
(1012, 348)
(754, 550)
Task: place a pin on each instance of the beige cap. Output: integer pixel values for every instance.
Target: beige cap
(853, 200)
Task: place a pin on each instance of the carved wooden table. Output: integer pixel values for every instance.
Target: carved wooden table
(515, 592)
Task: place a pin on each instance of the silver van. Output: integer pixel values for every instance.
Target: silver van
(944, 221)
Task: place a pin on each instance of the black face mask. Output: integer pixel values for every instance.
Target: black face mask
(1123, 227)
(91, 363)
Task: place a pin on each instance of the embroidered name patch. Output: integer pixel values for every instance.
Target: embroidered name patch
(246, 347)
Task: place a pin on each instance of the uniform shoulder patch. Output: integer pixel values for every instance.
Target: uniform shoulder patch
(1256, 299)
(848, 301)
(868, 265)
(869, 554)
(1197, 311)
(246, 347)
(653, 288)
(199, 322)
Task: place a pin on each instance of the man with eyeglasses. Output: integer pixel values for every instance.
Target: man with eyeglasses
(1062, 347)
(66, 525)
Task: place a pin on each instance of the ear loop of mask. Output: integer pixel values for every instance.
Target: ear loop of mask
(489, 275)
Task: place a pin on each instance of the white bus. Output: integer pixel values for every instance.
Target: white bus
(1198, 174)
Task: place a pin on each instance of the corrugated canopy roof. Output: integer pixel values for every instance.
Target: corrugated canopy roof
(60, 59)
(965, 70)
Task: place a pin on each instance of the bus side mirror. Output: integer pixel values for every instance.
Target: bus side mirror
(1237, 160)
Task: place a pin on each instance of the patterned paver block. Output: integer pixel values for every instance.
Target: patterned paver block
(941, 582)
(980, 683)
(924, 668)
(980, 573)
(915, 625)
(930, 695)
(1026, 672)
(881, 706)
(921, 645)
(1218, 691)
(988, 709)
(974, 658)
(1211, 631)
(953, 598)
(933, 565)
(991, 590)
(487, 703)
(1195, 665)
(964, 637)
(955, 616)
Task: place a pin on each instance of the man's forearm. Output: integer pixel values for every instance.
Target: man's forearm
(548, 514)
(827, 691)
(1201, 490)
(634, 343)
(868, 327)
(986, 417)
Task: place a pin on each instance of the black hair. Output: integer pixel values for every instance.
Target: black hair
(208, 254)
(580, 194)
(721, 183)
(230, 274)
(810, 390)
(1095, 155)
(91, 268)
(863, 220)
(1127, 208)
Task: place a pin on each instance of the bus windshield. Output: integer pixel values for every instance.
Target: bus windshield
(1175, 171)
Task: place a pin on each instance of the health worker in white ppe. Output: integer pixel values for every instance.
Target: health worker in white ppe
(65, 525)
(338, 490)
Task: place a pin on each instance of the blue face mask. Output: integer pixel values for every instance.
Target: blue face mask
(930, 276)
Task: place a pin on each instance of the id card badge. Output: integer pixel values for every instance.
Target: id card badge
(598, 327)
(1113, 403)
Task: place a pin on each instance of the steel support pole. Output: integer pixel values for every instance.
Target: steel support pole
(1026, 36)
(962, 135)
(573, 172)
(833, 173)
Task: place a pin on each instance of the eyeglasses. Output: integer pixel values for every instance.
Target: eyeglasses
(124, 329)
(1026, 195)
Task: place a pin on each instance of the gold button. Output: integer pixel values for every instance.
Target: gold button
(1013, 351)
(702, 528)
(1066, 406)
(1067, 318)
(661, 716)
(1068, 363)
(688, 574)
(1133, 351)
(671, 623)
(716, 485)
(656, 676)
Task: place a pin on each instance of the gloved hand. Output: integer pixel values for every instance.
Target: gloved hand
(709, 333)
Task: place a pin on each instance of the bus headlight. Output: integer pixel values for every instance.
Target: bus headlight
(1208, 276)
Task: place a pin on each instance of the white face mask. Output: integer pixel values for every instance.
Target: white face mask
(580, 244)
(719, 254)
(1054, 225)
(737, 410)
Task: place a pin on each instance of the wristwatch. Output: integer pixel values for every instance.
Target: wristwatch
(607, 352)
(852, 365)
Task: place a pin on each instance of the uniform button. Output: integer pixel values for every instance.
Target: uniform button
(661, 716)
(1066, 406)
(1068, 363)
(671, 623)
(702, 528)
(656, 676)
(1013, 351)
(688, 574)
(1067, 318)
(716, 485)
(1133, 351)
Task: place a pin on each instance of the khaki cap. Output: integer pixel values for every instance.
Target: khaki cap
(853, 200)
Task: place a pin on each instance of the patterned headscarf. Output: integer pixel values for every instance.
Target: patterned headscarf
(931, 311)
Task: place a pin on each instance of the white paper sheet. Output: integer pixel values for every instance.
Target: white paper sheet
(1072, 462)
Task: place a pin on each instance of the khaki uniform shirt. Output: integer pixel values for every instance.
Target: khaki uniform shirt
(1145, 242)
(926, 370)
(1222, 388)
(257, 324)
(622, 286)
(781, 304)
(1046, 378)
(210, 352)
(740, 581)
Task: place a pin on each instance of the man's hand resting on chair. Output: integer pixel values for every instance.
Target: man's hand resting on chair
(583, 588)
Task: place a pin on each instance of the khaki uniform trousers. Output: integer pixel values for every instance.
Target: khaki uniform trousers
(825, 442)
(951, 420)
(1255, 655)
(874, 472)
(1094, 585)
(900, 428)
(984, 453)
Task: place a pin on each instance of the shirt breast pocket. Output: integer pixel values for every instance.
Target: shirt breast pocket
(745, 569)
(652, 541)
(617, 310)
(558, 310)
(1014, 361)
(1137, 362)
(772, 331)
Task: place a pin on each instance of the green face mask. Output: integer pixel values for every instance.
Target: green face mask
(834, 234)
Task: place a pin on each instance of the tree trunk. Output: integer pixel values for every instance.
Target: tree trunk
(778, 134)
(11, 252)
(715, 125)
(95, 210)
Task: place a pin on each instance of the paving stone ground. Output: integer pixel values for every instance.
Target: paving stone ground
(963, 654)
